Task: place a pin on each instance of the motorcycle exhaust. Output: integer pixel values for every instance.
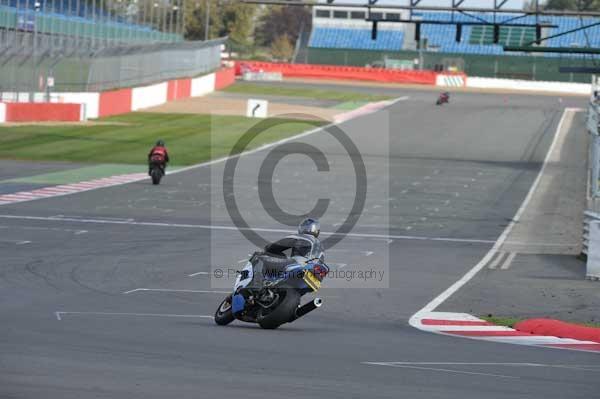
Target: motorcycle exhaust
(309, 307)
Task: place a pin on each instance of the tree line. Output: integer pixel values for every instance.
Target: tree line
(248, 26)
(570, 5)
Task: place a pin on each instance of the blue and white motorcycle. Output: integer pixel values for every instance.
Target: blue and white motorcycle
(268, 289)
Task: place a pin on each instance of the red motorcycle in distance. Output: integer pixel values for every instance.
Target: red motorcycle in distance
(443, 98)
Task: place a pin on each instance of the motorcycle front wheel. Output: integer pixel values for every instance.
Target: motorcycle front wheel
(223, 315)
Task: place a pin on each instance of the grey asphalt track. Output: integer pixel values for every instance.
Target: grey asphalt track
(457, 172)
(10, 169)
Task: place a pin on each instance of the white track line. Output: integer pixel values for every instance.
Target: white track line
(233, 228)
(437, 301)
(583, 367)
(59, 315)
(16, 242)
(406, 366)
(198, 274)
(508, 261)
(174, 290)
(497, 260)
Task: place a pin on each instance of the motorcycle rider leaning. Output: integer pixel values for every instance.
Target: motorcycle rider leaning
(158, 155)
(308, 230)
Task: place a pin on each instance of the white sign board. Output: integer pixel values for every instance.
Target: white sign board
(257, 108)
(263, 76)
(593, 255)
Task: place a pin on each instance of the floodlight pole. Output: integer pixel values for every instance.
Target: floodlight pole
(207, 22)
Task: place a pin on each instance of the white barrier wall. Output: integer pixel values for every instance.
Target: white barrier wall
(148, 96)
(450, 80)
(528, 85)
(203, 85)
(141, 97)
(90, 102)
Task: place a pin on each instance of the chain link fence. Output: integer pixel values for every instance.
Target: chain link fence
(94, 45)
(137, 65)
(80, 66)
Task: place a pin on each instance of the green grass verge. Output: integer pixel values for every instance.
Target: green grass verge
(511, 321)
(349, 105)
(341, 96)
(75, 175)
(190, 138)
(502, 321)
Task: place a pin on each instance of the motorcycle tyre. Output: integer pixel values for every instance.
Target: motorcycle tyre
(284, 312)
(226, 317)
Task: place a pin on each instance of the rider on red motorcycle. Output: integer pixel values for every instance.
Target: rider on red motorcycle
(158, 155)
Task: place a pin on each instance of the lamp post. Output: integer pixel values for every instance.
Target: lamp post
(171, 16)
(207, 22)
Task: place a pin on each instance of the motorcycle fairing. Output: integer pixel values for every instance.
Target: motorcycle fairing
(245, 277)
(238, 303)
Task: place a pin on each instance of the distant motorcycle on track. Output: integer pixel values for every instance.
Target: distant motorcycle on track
(268, 289)
(444, 98)
(158, 157)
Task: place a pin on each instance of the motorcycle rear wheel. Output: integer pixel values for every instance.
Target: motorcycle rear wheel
(156, 176)
(285, 311)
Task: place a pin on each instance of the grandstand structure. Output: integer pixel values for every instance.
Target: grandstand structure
(345, 35)
(93, 45)
(109, 23)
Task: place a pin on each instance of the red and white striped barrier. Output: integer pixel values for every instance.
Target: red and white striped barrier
(468, 326)
(453, 80)
(113, 102)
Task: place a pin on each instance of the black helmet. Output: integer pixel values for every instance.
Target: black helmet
(160, 143)
(309, 226)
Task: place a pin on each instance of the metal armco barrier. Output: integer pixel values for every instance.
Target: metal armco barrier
(591, 245)
(592, 125)
(588, 217)
(592, 120)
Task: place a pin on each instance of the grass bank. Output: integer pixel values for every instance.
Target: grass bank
(190, 138)
(321, 94)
